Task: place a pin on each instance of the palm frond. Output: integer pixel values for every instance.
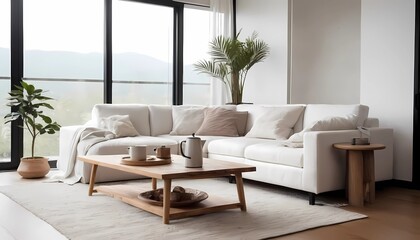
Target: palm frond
(231, 57)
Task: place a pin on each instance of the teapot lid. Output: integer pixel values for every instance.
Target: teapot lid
(193, 137)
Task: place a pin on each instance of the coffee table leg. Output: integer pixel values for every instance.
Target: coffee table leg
(92, 179)
(166, 200)
(154, 183)
(240, 189)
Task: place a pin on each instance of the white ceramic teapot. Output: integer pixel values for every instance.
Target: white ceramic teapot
(193, 151)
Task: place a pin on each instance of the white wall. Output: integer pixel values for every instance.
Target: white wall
(344, 51)
(387, 72)
(325, 53)
(267, 81)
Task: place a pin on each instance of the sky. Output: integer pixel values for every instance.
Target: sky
(77, 26)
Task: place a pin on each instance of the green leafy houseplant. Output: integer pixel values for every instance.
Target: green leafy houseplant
(29, 103)
(231, 59)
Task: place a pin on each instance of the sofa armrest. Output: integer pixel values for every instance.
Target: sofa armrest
(325, 167)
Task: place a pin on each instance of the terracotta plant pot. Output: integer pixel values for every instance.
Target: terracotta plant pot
(36, 167)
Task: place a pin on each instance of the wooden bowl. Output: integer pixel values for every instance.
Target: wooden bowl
(178, 199)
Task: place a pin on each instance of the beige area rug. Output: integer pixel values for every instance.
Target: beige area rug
(272, 211)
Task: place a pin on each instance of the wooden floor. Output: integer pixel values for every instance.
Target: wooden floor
(394, 215)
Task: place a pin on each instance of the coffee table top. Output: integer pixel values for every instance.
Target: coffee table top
(177, 169)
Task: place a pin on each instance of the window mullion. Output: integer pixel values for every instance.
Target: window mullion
(178, 66)
(16, 74)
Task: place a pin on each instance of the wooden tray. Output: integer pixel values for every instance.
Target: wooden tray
(150, 161)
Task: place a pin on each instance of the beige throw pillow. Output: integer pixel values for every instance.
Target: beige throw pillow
(186, 120)
(241, 118)
(219, 122)
(275, 122)
(120, 125)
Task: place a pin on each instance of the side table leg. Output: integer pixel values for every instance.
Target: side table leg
(92, 179)
(166, 200)
(369, 175)
(355, 175)
(240, 189)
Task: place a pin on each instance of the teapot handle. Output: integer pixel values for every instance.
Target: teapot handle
(182, 151)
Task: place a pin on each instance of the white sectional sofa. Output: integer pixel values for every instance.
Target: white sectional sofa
(269, 130)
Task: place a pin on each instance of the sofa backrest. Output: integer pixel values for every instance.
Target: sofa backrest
(139, 115)
(160, 119)
(315, 112)
(154, 120)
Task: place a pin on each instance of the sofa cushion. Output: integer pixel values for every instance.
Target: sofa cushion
(275, 122)
(234, 147)
(179, 138)
(315, 112)
(120, 145)
(160, 119)
(139, 115)
(274, 152)
(218, 122)
(186, 119)
(120, 125)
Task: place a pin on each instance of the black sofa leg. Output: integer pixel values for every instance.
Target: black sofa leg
(232, 179)
(312, 198)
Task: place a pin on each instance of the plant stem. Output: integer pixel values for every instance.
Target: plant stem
(236, 98)
(33, 139)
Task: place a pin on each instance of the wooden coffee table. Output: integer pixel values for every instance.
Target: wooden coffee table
(176, 170)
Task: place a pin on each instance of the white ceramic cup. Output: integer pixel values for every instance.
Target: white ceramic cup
(137, 153)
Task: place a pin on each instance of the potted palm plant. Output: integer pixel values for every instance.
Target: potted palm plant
(29, 103)
(230, 61)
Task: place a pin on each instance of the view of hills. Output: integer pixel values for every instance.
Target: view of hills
(126, 66)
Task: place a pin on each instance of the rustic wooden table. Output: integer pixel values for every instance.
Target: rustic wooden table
(176, 170)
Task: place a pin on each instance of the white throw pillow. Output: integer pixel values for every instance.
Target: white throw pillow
(327, 124)
(275, 122)
(120, 125)
(186, 120)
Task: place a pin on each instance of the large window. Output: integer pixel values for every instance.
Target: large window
(142, 53)
(63, 54)
(66, 44)
(5, 132)
(196, 46)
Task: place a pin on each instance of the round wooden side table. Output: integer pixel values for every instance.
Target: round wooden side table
(360, 163)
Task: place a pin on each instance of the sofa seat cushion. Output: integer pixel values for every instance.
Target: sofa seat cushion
(234, 147)
(275, 152)
(120, 145)
(179, 138)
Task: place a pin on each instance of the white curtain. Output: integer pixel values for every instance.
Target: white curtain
(221, 24)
